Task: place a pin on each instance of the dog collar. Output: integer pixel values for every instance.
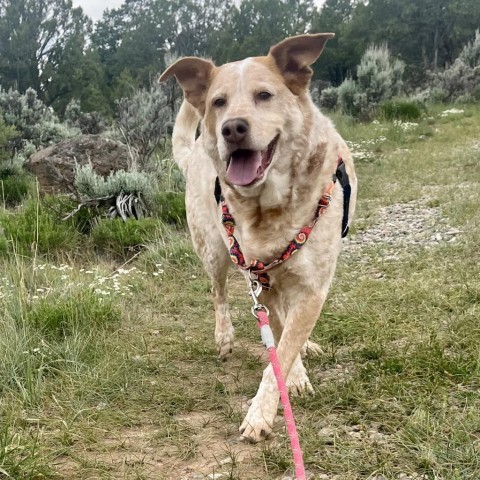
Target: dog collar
(259, 268)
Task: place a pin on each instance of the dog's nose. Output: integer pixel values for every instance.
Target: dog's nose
(235, 130)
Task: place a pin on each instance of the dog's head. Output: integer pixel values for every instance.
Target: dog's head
(254, 111)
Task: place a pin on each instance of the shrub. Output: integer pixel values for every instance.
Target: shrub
(33, 120)
(92, 123)
(15, 183)
(379, 78)
(461, 81)
(347, 92)
(62, 205)
(401, 110)
(144, 121)
(170, 207)
(14, 188)
(329, 98)
(7, 134)
(91, 185)
(124, 239)
(36, 229)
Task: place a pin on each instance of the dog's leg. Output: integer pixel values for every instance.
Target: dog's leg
(297, 381)
(215, 258)
(224, 331)
(300, 321)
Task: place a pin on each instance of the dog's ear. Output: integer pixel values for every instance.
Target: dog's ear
(193, 75)
(294, 56)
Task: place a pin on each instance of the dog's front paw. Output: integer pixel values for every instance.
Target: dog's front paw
(300, 385)
(258, 424)
(298, 382)
(311, 349)
(224, 342)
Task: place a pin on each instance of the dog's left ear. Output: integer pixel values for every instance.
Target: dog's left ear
(294, 56)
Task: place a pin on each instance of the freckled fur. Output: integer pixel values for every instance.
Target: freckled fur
(269, 213)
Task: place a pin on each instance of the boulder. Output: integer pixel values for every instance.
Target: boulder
(55, 166)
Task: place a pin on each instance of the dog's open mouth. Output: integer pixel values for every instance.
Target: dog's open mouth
(245, 167)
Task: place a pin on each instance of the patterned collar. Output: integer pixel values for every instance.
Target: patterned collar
(259, 268)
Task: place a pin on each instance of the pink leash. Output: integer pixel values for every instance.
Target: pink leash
(261, 314)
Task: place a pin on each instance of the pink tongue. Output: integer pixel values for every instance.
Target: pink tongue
(243, 168)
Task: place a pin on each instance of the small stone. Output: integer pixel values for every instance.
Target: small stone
(327, 432)
(226, 461)
(217, 476)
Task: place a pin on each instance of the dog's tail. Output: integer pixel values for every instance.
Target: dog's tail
(183, 136)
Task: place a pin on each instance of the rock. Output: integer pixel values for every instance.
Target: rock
(55, 166)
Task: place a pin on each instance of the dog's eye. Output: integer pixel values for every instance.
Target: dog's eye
(264, 96)
(219, 102)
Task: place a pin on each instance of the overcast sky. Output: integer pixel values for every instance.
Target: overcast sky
(94, 8)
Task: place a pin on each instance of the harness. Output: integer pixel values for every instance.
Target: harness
(260, 269)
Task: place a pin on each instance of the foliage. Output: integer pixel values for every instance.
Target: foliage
(401, 110)
(144, 121)
(15, 183)
(7, 134)
(14, 187)
(461, 81)
(91, 123)
(32, 119)
(123, 239)
(170, 207)
(35, 229)
(329, 98)
(379, 78)
(33, 35)
(350, 99)
(91, 185)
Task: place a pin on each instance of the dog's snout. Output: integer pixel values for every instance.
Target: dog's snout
(235, 130)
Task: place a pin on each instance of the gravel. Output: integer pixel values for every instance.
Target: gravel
(404, 225)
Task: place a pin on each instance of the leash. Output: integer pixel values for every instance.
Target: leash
(260, 312)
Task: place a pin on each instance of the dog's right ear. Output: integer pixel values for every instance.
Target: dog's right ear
(194, 76)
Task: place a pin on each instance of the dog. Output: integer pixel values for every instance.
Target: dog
(264, 157)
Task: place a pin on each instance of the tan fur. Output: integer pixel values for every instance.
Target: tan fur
(270, 212)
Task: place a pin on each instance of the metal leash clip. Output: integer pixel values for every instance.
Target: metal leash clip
(255, 289)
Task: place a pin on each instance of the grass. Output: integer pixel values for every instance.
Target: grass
(108, 370)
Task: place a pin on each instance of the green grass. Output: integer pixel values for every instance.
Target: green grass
(111, 373)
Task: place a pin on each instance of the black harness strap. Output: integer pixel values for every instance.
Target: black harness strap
(341, 175)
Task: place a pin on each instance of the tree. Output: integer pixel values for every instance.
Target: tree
(258, 24)
(32, 32)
